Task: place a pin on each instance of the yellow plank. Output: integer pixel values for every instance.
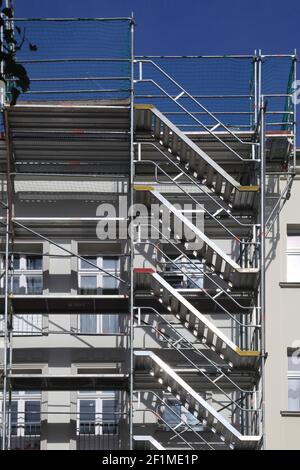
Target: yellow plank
(143, 188)
(143, 106)
(248, 188)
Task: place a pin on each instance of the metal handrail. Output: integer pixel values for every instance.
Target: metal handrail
(202, 271)
(237, 239)
(192, 180)
(191, 114)
(196, 350)
(232, 402)
(166, 423)
(242, 325)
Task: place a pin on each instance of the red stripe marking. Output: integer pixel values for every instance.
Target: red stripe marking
(144, 270)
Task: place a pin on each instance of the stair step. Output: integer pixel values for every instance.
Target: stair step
(197, 404)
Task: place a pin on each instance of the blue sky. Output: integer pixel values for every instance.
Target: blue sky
(179, 27)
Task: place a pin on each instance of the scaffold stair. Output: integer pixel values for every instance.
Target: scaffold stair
(195, 321)
(206, 249)
(194, 402)
(158, 126)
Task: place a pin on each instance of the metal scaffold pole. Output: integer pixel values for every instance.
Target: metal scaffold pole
(131, 241)
(262, 260)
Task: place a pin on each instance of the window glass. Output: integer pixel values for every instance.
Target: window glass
(34, 262)
(294, 394)
(87, 410)
(88, 323)
(109, 416)
(16, 285)
(30, 324)
(294, 363)
(293, 267)
(16, 262)
(32, 417)
(110, 323)
(293, 241)
(110, 285)
(88, 285)
(34, 285)
(85, 265)
(171, 413)
(14, 417)
(111, 263)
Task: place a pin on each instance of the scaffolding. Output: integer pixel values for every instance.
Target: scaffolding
(208, 135)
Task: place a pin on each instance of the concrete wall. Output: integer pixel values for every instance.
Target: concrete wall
(282, 330)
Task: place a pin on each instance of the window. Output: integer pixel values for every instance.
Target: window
(34, 285)
(110, 285)
(98, 413)
(27, 275)
(293, 254)
(93, 281)
(25, 415)
(88, 285)
(176, 415)
(34, 263)
(99, 324)
(27, 279)
(87, 411)
(294, 383)
(87, 266)
(25, 325)
(184, 274)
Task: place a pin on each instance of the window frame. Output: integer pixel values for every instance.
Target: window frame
(99, 324)
(22, 398)
(22, 273)
(100, 275)
(99, 398)
(292, 252)
(293, 375)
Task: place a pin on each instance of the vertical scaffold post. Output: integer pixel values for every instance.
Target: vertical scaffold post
(262, 260)
(131, 241)
(295, 60)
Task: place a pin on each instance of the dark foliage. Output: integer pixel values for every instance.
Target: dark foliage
(13, 40)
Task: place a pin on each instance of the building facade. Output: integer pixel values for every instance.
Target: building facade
(150, 247)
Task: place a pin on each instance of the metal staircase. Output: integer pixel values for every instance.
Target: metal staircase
(199, 163)
(195, 321)
(214, 257)
(173, 383)
(185, 173)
